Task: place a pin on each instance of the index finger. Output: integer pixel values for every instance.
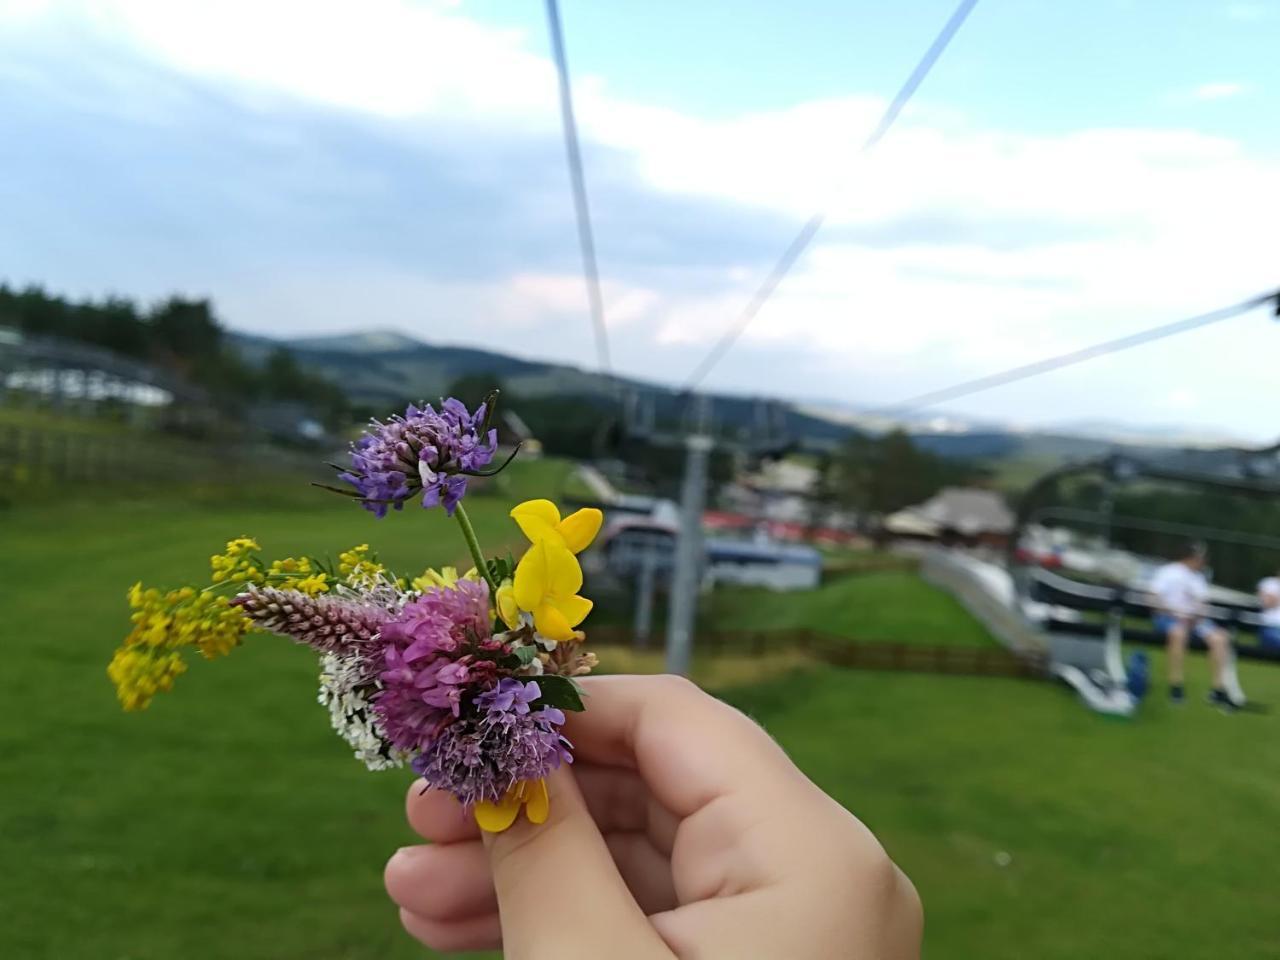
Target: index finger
(688, 747)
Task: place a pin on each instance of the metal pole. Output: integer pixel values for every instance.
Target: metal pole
(644, 599)
(689, 556)
(1107, 509)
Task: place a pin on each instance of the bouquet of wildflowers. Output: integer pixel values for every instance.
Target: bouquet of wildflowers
(463, 678)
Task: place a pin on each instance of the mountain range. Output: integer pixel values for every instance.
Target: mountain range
(383, 368)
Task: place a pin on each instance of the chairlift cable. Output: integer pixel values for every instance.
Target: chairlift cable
(800, 243)
(582, 210)
(1072, 357)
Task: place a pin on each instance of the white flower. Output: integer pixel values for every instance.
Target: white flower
(343, 682)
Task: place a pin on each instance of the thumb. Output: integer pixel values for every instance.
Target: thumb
(559, 893)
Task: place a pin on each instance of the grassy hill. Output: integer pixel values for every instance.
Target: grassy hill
(878, 606)
(228, 822)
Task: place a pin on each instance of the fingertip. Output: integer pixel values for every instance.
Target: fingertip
(444, 883)
(437, 816)
(404, 874)
(395, 873)
(474, 933)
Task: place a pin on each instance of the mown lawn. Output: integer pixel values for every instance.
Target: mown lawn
(881, 605)
(1035, 829)
(228, 822)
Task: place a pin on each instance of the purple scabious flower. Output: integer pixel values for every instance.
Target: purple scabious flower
(425, 451)
(437, 654)
(482, 757)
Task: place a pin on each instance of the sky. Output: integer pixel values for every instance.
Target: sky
(1068, 173)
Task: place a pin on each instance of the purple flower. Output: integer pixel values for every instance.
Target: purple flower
(509, 695)
(438, 653)
(481, 758)
(346, 626)
(425, 451)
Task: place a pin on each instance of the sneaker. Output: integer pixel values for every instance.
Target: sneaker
(1220, 699)
(1176, 696)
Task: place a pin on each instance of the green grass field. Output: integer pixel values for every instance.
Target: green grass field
(228, 822)
(880, 605)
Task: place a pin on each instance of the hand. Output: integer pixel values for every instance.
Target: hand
(681, 830)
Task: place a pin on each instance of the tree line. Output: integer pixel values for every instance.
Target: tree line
(183, 336)
(1233, 564)
(870, 475)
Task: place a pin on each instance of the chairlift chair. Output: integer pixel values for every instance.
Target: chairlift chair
(1085, 625)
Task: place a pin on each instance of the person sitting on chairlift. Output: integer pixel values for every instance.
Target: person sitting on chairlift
(1269, 597)
(1181, 589)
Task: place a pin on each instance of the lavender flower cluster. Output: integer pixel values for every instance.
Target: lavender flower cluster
(505, 742)
(425, 451)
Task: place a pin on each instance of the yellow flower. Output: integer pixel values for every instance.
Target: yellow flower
(505, 602)
(530, 794)
(548, 576)
(164, 623)
(154, 616)
(539, 520)
(238, 564)
(139, 675)
(313, 585)
(209, 623)
(349, 560)
(444, 577)
(547, 581)
(294, 573)
(358, 568)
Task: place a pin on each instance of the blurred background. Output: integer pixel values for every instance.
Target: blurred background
(900, 344)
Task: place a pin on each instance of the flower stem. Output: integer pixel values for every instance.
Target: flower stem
(473, 544)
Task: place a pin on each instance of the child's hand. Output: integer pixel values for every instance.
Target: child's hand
(681, 830)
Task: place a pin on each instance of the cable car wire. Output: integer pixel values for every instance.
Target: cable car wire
(802, 240)
(1024, 371)
(582, 210)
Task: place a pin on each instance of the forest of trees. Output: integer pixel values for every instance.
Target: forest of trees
(182, 336)
(1234, 565)
(876, 475)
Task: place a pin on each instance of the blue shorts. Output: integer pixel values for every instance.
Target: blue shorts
(1166, 621)
(1270, 637)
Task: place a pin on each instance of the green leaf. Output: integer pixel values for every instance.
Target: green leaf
(560, 692)
(490, 408)
(501, 568)
(519, 657)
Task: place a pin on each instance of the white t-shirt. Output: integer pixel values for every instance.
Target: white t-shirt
(1270, 587)
(1179, 589)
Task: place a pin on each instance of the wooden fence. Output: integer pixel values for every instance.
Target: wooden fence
(55, 457)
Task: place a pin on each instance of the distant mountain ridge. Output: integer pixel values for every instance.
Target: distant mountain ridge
(385, 367)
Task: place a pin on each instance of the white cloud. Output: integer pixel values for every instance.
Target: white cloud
(952, 250)
(1219, 90)
(388, 57)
